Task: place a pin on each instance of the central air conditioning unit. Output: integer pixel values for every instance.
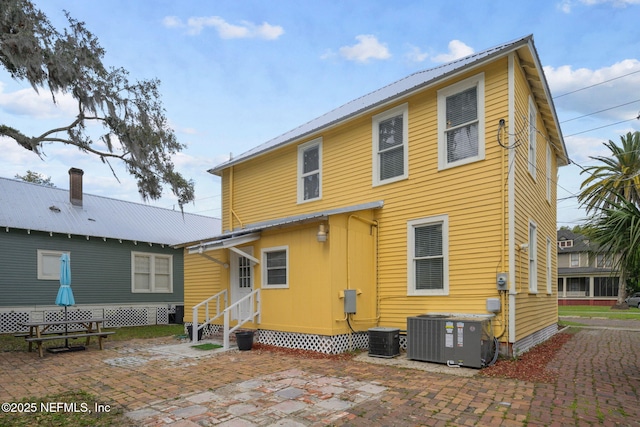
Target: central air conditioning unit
(384, 342)
(456, 340)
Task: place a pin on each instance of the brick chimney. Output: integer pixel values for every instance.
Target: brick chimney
(75, 186)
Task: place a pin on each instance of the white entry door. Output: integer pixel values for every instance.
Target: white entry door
(241, 282)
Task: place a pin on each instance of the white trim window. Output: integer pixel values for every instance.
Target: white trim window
(49, 264)
(574, 258)
(533, 133)
(428, 256)
(549, 181)
(533, 257)
(151, 273)
(310, 171)
(461, 123)
(275, 267)
(390, 145)
(549, 270)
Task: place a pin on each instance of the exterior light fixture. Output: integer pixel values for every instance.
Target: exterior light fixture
(322, 233)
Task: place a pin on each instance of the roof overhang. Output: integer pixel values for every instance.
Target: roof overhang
(251, 232)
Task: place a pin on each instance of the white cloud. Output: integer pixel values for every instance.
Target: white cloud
(225, 30)
(589, 91)
(40, 105)
(567, 5)
(457, 50)
(368, 47)
(416, 55)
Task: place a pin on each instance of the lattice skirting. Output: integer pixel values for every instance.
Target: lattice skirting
(11, 319)
(335, 344)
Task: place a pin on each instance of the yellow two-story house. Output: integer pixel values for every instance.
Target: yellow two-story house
(434, 194)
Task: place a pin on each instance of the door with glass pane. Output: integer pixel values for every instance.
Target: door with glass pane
(241, 282)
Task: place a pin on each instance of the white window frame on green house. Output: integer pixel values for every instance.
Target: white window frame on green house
(532, 140)
(49, 264)
(413, 258)
(533, 257)
(386, 121)
(449, 131)
(268, 266)
(305, 175)
(155, 284)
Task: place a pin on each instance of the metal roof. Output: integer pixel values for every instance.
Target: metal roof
(29, 206)
(236, 236)
(389, 93)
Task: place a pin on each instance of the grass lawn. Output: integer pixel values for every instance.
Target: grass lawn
(632, 313)
(81, 406)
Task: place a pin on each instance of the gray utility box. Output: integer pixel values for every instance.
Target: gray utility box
(384, 342)
(454, 340)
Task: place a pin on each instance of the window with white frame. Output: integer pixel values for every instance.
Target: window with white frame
(533, 133)
(603, 261)
(151, 273)
(427, 256)
(549, 271)
(549, 180)
(275, 267)
(49, 264)
(533, 257)
(390, 145)
(461, 122)
(574, 259)
(310, 171)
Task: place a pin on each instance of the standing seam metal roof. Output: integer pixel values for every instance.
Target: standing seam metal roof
(376, 98)
(29, 206)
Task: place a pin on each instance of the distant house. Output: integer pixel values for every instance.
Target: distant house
(123, 265)
(433, 194)
(584, 277)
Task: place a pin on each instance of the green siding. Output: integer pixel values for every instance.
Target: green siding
(100, 270)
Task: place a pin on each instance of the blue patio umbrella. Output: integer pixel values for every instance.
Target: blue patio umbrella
(65, 294)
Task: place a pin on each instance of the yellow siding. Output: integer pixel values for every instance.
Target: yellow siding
(534, 310)
(473, 196)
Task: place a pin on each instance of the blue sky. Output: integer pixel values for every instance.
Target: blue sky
(237, 73)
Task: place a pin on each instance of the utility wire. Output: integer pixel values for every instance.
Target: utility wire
(596, 84)
(601, 111)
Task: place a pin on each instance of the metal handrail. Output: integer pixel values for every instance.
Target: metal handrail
(195, 327)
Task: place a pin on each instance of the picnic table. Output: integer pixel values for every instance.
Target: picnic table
(79, 328)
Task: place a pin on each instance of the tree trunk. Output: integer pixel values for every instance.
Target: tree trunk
(622, 291)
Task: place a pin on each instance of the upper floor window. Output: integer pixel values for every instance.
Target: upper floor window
(533, 133)
(151, 273)
(603, 261)
(575, 259)
(427, 255)
(461, 122)
(565, 243)
(310, 171)
(549, 180)
(390, 145)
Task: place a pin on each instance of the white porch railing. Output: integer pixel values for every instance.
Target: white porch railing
(255, 311)
(196, 326)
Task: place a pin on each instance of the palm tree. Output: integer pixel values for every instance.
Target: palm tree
(612, 194)
(616, 230)
(618, 178)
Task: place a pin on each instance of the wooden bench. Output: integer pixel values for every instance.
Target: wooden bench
(56, 336)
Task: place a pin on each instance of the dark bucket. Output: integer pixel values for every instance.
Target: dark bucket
(244, 340)
(190, 332)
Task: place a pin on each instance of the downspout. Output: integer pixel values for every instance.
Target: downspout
(232, 213)
(512, 292)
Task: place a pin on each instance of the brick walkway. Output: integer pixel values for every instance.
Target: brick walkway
(598, 384)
